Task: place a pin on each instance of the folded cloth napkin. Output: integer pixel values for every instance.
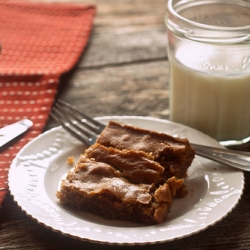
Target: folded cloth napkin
(40, 41)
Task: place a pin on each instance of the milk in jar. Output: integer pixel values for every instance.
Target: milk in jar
(210, 69)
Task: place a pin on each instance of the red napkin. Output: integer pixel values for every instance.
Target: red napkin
(40, 41)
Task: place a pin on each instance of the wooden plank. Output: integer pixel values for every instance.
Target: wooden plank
(142, 89)
(137, 34)
(136, 89)
(130, 47)
(129, 13)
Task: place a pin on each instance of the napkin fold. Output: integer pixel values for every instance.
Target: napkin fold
(40, 42)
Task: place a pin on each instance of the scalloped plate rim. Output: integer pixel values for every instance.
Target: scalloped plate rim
(118, 240)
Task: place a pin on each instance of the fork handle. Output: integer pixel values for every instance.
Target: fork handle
(233, 158)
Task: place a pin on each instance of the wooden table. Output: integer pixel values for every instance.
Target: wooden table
(124, 71)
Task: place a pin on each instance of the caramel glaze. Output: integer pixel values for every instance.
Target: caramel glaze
(136, 166)
(174, 154)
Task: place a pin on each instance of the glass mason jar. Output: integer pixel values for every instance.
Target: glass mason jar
(209, 57)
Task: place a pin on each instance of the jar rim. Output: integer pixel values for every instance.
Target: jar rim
(177, 22)
(172, 11)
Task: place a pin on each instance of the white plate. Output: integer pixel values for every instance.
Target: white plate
(36, 172)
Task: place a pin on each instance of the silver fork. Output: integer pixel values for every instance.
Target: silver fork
(86, 129)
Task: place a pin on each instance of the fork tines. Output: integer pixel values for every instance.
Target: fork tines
(78, 124)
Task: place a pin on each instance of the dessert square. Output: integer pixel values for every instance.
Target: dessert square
(129, 174)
